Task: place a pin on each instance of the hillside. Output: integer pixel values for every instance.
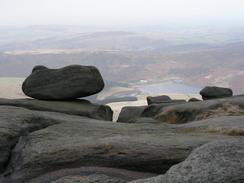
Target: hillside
(195, 57)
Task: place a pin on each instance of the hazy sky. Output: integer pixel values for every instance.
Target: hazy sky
(119, 12)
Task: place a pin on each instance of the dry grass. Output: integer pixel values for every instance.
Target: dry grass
(227, 109)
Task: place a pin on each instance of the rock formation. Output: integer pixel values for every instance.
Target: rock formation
(213, 92)
(69, 140)
(67, 83)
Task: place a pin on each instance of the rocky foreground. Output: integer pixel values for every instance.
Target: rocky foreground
(167, 141)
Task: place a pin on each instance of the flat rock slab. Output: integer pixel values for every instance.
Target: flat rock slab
(67, 83)
(218, 161)
(74, 107)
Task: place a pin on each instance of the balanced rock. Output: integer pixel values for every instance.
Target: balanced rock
(69, 82)
(212, 92)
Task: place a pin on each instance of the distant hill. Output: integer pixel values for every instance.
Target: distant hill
(195, 57)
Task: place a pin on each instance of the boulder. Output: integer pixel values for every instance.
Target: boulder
(73, 107)
(158, 99)
(193, 111)
(213, 92)
(129, 113)
(218, 161)
(78, 142)
(67, 83)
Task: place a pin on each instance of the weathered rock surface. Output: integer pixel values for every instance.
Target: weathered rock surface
(48, 141)
(16, 122)
(74, 107)
(67, 83)
(96, 178)
(76, 174)
(129, 113)
(213, 92)
(228, 125)
(193, 111)
(218, 161)
(82, 142)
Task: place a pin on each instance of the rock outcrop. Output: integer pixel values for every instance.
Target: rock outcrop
(74, 107)
(213, 92)
(218, 161)
(67, 83)
(74, 140)
(69, 141)
(193, 111)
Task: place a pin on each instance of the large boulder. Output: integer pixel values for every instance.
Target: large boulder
(69, 82)
(213, 92)
(129, 113)
(73, 107)
(218, 161)
(193, 111)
